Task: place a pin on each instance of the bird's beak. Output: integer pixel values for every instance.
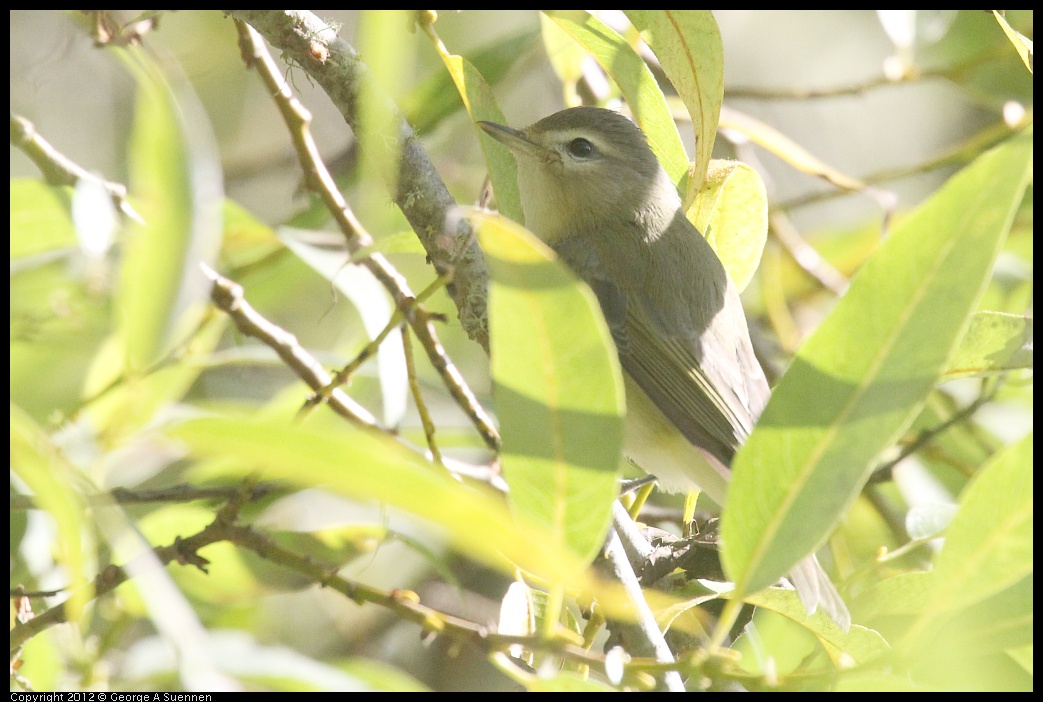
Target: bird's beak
(514, 139)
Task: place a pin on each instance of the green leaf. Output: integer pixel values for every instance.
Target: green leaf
(861, 378)
(731, 211)
(995, 342)
(689, 48)
(998, 623)
(875, 679)
(177, 191)
(1023, 656)
(247, 240)
(58, 309)
(636, 83)
(369, 465)
(957, 648)
(683, 599)
(859, 644)
(381, 676)
(123, 404)
(481, 106)
(566, 57)
(49, 477)
(557, 385)
(902, 594)
(988, 546)
(434, 99)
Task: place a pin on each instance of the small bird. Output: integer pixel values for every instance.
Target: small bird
(593, 190)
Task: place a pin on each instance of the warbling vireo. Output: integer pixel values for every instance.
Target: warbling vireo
(592, 189)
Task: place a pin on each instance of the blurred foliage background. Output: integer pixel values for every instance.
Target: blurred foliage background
(813, 101)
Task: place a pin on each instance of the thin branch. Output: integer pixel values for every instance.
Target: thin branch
(418, 398)
(925, 437)
(956, 73)
(59, 169)
(228, 297)
(342, 376)
(183, 492)
(184, 551)
(403, 603)
(953, 157)
(805, 255)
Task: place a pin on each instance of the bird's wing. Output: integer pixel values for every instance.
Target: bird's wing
(670, 371)
(687, 343)
(686, 346)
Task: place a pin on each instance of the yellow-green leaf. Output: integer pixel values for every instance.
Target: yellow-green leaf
(859, 644)
(40, 219)
(731, 211)
(771, 139)
(566, 57)
(481, 106)
(48, 475)
(177, 190)
(432, 100)
(689, 48)
(995, 342)
(558, 388)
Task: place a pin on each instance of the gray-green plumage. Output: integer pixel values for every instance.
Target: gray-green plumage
(593, 190)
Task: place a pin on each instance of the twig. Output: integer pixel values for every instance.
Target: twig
(184, 551)
(59, 169)
(228, 297)
(183, 492)
(954, 156)
(403, 603)
(805, 255)
(883, 472)
(954, 73)
(344, 374)
(418, 398)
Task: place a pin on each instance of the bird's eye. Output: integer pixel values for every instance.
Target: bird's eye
(580, 148)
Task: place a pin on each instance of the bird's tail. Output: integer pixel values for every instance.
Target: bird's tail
(815, 589)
